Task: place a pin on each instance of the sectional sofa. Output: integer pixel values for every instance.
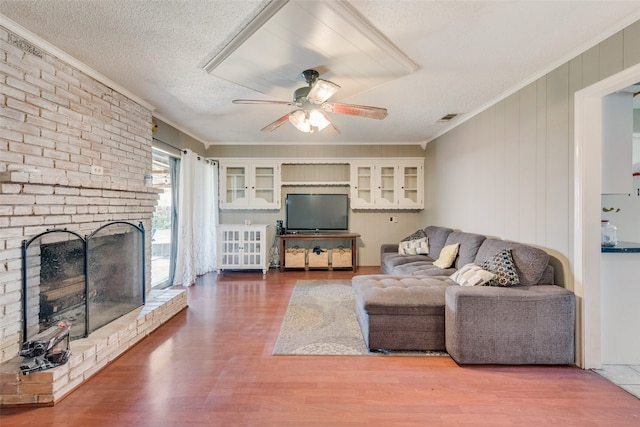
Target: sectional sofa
(483, 300)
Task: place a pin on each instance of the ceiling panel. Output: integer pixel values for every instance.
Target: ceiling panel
(330, 37)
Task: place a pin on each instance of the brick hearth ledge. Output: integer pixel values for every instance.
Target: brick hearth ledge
(89, 355)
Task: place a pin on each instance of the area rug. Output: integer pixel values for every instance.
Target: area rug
(321, 320)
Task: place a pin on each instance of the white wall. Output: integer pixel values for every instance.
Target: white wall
(508, 172)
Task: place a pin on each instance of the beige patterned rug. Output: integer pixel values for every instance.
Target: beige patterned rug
(321, 320)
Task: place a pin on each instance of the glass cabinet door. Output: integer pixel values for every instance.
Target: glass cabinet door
(410, 190)
(264, 187)
(231, 247)
(410, 184)
(251, 248)
(362, 186)
(386, 188)
(249, 185)
(235, 186)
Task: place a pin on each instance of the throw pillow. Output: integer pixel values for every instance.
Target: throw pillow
(447, 256)
(472, 275)
(414, 247)
(419, 234)
(504, 267)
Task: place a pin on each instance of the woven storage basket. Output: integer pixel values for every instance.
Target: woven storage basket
(319, 260)
(295, 258)
(340, 258)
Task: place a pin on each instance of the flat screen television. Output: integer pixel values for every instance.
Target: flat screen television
(317, 213)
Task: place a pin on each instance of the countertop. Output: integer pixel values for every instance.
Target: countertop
(622, 247)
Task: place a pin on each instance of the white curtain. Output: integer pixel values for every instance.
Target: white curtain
(197, 218)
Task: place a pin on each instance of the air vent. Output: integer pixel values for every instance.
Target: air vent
(448, 118)
(24, 45)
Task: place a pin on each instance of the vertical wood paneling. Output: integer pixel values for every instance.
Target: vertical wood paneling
(591, 66)
(483, 212)
(509, 173)
(575, 84)
(527, 165)
(541, 162)
(631, 50)
(558, 150)
(611, 56)
(499, 219)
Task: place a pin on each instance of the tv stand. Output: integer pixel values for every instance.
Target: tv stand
(351, 237)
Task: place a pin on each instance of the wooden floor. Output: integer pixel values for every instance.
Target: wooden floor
(211, 365)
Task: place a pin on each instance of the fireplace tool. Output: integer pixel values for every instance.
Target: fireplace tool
(46, 351)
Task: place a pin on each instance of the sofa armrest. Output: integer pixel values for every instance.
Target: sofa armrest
(388, 247)
(514, 325)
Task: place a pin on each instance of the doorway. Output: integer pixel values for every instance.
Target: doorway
(587, 202)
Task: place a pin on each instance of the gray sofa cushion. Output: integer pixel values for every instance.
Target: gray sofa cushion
(422, 268)
(410, 295)
(390, 259)
(530, 262)
(437, 239)
(469, 244)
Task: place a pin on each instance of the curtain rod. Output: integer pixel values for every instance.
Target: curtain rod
(181, 150)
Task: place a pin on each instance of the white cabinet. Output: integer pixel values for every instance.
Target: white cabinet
(242, 247)
(620, 315)
(249, 185)
(392, 185)
(617, 142)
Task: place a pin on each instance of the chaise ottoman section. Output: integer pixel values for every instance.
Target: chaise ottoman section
(401, 312)
(513, 325)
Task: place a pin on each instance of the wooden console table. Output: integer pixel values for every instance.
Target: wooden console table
(319, 236)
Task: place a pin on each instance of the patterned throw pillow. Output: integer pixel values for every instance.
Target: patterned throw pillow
(504, 268)
(419, 234)
(472, 275)
(447, 256)
(414, 247)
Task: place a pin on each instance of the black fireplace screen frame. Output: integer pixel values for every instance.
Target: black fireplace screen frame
(85, 248)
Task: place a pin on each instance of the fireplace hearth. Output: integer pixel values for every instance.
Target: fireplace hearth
(88, 281)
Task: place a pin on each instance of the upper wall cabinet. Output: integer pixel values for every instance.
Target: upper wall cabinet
(249, 185)
(617, 137)
(393, 184)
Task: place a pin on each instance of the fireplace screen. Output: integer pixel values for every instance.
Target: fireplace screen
(87, 281)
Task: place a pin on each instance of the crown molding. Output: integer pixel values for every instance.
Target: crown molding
(70, 60)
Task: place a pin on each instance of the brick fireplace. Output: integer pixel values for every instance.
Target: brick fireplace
(74, 153)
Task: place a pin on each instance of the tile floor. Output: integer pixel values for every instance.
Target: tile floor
(625, 376)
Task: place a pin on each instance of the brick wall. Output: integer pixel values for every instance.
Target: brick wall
(59, 129)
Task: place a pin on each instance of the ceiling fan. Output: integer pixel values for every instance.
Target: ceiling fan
(311, 114)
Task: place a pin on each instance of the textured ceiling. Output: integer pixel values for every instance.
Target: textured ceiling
(469, 54)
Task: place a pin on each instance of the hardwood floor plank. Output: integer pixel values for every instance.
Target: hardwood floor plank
(211, 365)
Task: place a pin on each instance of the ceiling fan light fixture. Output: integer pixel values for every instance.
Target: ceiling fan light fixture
(309, 121)
(299, 119)
(322, 90)
(318, 120)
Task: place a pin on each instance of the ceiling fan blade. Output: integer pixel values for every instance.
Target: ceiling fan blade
(276, 124)
(322, 90)
(260, 101)
(356, 110)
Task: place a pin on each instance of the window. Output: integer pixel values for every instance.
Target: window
(163, 220)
